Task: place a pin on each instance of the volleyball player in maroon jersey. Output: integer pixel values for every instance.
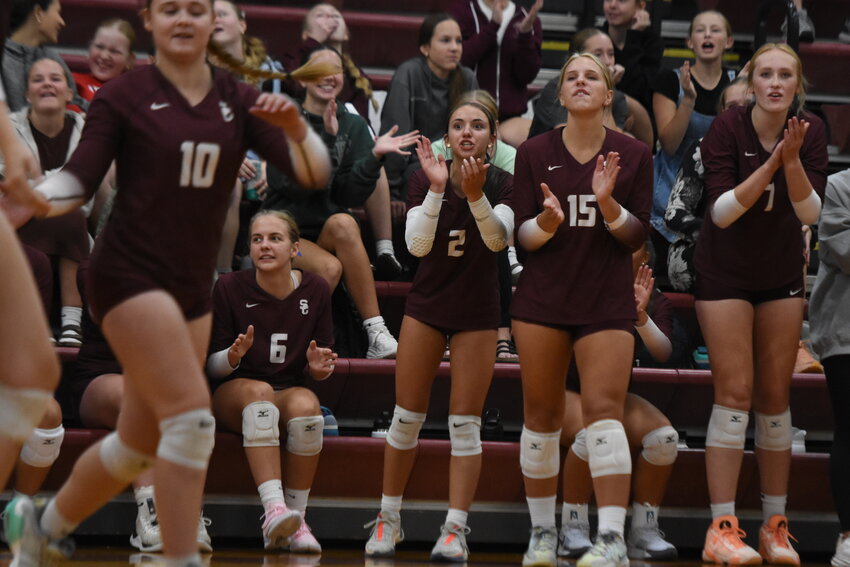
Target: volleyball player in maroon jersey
(765, 172)
(582, 202)
(458, 217)
(272, 328)
(178, 131)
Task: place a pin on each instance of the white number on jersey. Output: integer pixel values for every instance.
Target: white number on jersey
(581, 212)
(771, 188)
(199, 164)
(456, 240)
(277, 349)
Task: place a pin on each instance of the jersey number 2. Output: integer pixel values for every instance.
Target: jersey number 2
(199, 163)
(277, 350)
(456, 240)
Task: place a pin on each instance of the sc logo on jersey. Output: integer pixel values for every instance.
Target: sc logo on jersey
(304, 306)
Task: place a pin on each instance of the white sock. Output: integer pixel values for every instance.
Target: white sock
(773, 506)
(185, 561)
(512, 259)
(722, 509)
(542, 511)
(71, 315)
(141, 493)
(457, 517)
(384, 246)
(611, 519)
(373, 325)
(271, 493)
(53, 524)
(574, 513)
(296, 499)
(644, 515)
(391, 504)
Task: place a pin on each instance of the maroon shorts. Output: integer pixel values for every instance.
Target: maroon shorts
(708, 289)
(578, 331)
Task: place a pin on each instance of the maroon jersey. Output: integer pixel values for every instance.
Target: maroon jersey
(456, 284)
(283, 328)
(763, 249)
(176, 166)
(583, 274)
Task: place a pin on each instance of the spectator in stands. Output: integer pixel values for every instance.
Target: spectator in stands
(502, 44)
(51, 133)
(575, 298)
(636, 47)
(765, 170)
(110, 54)
(625, 114)
(829, 320)
(423, 90)
(646, 428)
(686, 207)
(152, 268)
(333, 247)
(34, 25)
(459, 214)
(685, 101)
(272, 329)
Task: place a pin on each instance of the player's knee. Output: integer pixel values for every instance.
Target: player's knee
(465, 435)
(342, 226)
(660, 446)
(404, 429)
(304, 435)
(52, 417)
(608, 448)
(21, 410)
(260, 425)
(42, 447)
(120, 461)
(579, 445)
(727, 428)
(773, 432)
(539, 453)
(187, 439)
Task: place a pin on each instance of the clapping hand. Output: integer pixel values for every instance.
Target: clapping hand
(473, 176)
(320, 361)
(552, 216)
(434, 167)
(792, 139)
(644, 284)
(388, 142)
(240, 346)
(605, 175)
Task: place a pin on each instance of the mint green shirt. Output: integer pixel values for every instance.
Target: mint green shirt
(503, 157)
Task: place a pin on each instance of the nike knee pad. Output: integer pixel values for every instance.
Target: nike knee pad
(465, 435)
(187, 439)
(404, 429)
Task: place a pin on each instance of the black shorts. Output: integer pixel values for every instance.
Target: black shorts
(576, 332)
(708, 289)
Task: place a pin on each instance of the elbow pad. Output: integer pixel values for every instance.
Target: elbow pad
(727, 209)
(531, 236)
(808, 210)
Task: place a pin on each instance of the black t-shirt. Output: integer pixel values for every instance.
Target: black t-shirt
(53, 151)
(667, 83)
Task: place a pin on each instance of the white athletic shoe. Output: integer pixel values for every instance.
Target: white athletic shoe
(842, 552)
(281, 522)
(574, 539)
(147, 537)
(541, 548)
(451, 545)
(303, 540)
(386, 532)
(648, 543)
(609, 550)
(204, 539)
(29, 545)
(382, 344)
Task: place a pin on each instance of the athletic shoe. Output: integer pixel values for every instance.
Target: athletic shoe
(147, 537)
(774, 546)
(382, 344)
(609, 550)
(806, 29)
(574, 539)
(29, 545)
(844, 35)
(387, 267)
(451, 545)
(723, 544)
(303, 541)
(386, 532)
(331, 426)
(281, 522)
(204, 539)
(71, 336)
(648, 543)
(541, 548)
(842, 552)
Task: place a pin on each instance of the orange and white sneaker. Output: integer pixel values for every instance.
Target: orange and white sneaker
(723, 544)
(774, 546)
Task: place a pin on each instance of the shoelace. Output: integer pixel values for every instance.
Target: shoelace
(544, 542)
(782, 535)
(207, 522)
(605, 546)
(729, 532)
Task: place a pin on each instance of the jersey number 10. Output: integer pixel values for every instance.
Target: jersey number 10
(199, 163)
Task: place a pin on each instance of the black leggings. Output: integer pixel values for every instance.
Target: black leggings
(838, 379)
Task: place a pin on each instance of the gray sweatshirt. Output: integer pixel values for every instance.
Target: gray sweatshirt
(17, 59)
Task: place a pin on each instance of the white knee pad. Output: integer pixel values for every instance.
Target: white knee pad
(187, 439)
(727, 428)
(404, 429)
(773, 432)
(304, 435)
(42, 447)
(579, 445)
(120, 461)
(260, 425)
(660, 446)
(539, 453)
(465, 435)
(20, 411)
(608, 448)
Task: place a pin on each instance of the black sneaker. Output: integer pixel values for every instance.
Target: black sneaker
(387, 267)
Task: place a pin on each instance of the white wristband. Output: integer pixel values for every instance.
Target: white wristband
(621, 219)
(532, 236)
(218, 365)
(808, 210)
(727, 209)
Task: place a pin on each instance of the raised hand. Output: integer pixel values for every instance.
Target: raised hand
(644, 284)
(792, 139)
(281, 111)
(552, 216)
(641, 20)
(498, 8)
(390, 143)
(617, 72)
(330, 119)
(687, 85)
(240, 346)
(527, 23)
(434, 167)
(320, 361)
(473, 172)
(605, 175)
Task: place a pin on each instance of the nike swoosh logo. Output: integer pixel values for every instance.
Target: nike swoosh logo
(796, 291)
(748, 154)
(250, 305)
(551, 167)
(159, 105)
(456, 425)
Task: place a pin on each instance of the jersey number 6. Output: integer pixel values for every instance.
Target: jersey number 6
(277, 348)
